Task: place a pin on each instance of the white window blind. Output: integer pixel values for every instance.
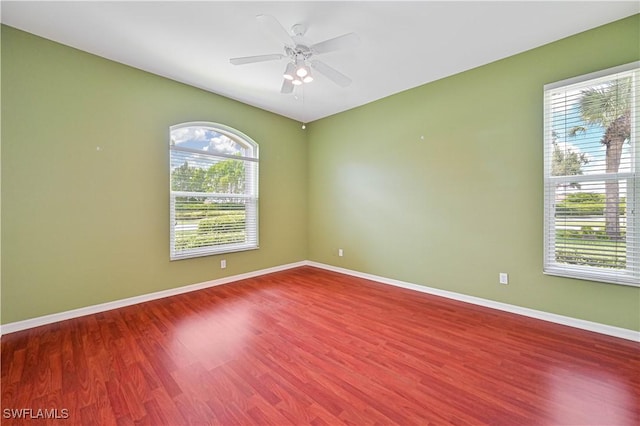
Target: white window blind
(213, 190)
(591, 177)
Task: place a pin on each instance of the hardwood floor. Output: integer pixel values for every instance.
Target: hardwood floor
(307, 346)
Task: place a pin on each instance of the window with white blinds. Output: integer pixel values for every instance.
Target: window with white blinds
(214, 190)
(591, 176)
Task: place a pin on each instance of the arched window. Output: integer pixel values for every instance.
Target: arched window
(214, 190)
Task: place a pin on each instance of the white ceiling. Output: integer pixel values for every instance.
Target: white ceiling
(402, 44)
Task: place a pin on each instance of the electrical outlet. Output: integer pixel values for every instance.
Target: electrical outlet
(223, 263)
(504, 278)
(340, 252)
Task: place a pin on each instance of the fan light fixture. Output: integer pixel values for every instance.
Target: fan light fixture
(298, 73)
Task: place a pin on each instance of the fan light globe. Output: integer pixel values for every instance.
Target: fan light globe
(302, 71)
(308, 78)
(297, 82)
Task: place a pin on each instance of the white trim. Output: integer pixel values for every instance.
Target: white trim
(609, 330)
(592, 76)
(102, 307)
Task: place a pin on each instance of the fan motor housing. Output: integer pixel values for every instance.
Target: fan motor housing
(300, 51)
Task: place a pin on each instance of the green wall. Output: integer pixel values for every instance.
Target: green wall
(82, 226)
(441, 185)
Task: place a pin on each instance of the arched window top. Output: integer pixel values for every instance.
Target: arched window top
(213, 139)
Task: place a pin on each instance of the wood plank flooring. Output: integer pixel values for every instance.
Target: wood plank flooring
(308, 346)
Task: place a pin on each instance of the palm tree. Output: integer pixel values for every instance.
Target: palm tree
(609, 106)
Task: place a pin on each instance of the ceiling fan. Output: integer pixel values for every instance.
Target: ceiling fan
(301, 54)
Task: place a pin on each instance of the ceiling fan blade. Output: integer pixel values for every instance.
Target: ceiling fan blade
(287, 86)
(331, 73)
(252, 59)
(336, 43)
(276, 29)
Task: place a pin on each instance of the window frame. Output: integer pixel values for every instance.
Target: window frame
(251, 193)
(630, 275)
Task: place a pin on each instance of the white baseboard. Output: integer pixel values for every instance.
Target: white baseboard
(622, 333)
(102, 307)
(609, 330)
